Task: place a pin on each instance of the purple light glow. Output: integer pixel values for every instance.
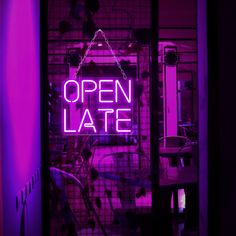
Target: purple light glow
(65, 124)
(88, 90)
(87, 125)
(22, 84)
(20, 88)
(106, 97)
(122, 120)
(103, 86)
(65, 90)
(104, 91)
(107, 111)
(128, 98)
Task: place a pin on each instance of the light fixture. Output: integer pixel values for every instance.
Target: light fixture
(170, 91)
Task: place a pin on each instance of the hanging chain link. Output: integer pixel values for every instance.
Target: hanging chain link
(109, 47)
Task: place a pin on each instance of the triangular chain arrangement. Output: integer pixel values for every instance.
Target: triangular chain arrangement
(109, 47)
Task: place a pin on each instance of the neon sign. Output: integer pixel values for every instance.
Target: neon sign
(105, 105)
(113, 100)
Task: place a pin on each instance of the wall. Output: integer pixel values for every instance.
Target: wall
(223, 168)
(20, 133)
(1, 70)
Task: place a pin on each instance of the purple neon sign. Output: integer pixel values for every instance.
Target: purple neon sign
(111, 106)
(102, 106)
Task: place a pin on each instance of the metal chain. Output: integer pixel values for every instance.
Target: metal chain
(109, 47)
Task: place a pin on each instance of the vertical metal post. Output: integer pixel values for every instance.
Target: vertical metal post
(154, 123)
(44, 116)
(139, 122)
(210, 69)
